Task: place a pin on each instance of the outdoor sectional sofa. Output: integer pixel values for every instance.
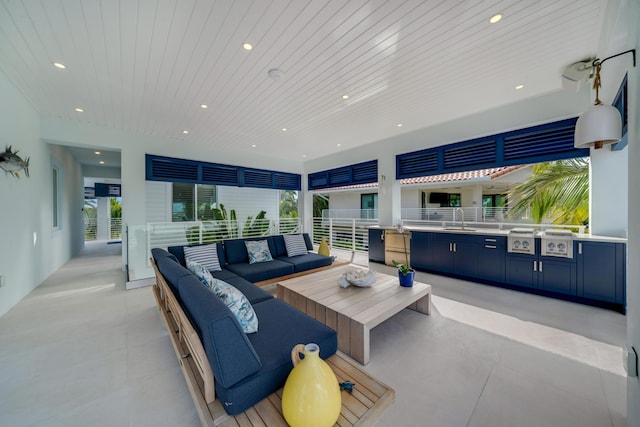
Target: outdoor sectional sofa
(242, 368)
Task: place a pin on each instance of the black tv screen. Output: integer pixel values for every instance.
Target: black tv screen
(439, 198)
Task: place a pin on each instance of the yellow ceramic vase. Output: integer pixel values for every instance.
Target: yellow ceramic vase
(311, 395)
(323, 249)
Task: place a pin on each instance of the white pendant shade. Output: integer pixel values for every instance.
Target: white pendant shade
(600, 124)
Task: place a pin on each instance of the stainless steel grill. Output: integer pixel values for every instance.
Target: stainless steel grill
(558, 243)
(522, 241)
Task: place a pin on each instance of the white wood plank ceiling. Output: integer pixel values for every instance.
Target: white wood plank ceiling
(147, 66)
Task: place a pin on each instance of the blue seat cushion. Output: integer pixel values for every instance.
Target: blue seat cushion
(262, 270)
(281, 328)
(224, 274)
(307, 261)
(178, 251)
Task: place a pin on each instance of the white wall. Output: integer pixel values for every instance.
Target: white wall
(626, 36)
(30, 249)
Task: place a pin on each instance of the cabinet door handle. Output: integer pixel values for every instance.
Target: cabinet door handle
(490, 246)
(540, 269)
(579, 248)
(450, 247)
(455, 247)
(490, 240)
(535, 266)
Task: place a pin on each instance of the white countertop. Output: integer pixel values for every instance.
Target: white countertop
(476, 229)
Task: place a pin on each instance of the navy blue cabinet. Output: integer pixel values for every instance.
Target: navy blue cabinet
(596, 273)
(376, 245)
(454, 253)
(522, 270)
(601, 270)
(557, 275)
(492, 256)
(421, 250)
(542, 272)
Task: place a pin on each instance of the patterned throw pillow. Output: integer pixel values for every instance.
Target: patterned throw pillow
(206, 255)
(295, 244)
(201, 273)
(238, 304)
(258, 251)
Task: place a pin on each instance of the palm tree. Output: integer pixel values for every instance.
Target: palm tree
(557, 191)
(289, 204)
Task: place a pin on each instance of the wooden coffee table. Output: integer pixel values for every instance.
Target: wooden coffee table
(352, 311)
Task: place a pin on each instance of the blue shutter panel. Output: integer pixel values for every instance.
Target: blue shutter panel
(360, 173)
(169, 169)
(551, 141)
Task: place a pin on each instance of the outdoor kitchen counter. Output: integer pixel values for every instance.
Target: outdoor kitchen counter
(474, 229)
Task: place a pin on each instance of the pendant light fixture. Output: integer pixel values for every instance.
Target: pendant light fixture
(600, 124)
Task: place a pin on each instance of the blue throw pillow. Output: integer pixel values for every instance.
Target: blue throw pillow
(258, 251)
(201, 273)
(206, 255)
(232, 297)
(295, 244)
(238, 304)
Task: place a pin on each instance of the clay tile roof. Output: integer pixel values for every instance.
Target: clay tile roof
(491, 173)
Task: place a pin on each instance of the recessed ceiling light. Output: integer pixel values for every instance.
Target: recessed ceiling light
(284, 129)
(79, 110)
(345, 96)
(59, 65)
(98, 153)
(304, 155)
(204, 106)
(185, 131)
(253, 145)
(247, 46)
(399, 125)
(101, 162)
(338, 145)
(495, 18)
(519, 87)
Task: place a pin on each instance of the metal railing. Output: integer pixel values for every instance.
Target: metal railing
(343, 233)
(164, 234)
(113, 231)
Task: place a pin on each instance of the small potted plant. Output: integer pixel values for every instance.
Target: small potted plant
(406, 274)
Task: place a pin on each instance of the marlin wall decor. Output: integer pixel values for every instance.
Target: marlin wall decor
(11, 163)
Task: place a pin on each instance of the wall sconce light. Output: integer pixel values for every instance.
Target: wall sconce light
(600, 124)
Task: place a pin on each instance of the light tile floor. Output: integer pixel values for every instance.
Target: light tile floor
(82, 351)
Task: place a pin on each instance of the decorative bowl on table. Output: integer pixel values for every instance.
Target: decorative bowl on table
(358, 278)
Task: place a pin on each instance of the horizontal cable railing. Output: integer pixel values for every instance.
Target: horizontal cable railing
(103, 229)
(343, 233)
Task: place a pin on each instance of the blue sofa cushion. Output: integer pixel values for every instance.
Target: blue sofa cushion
(172, 272)
(228, 349)
(161, 253)
(261, 271)
(281, 328)
(253, 293)
(236, 250)
(307, 262)
(307, 240)
(178, 251)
